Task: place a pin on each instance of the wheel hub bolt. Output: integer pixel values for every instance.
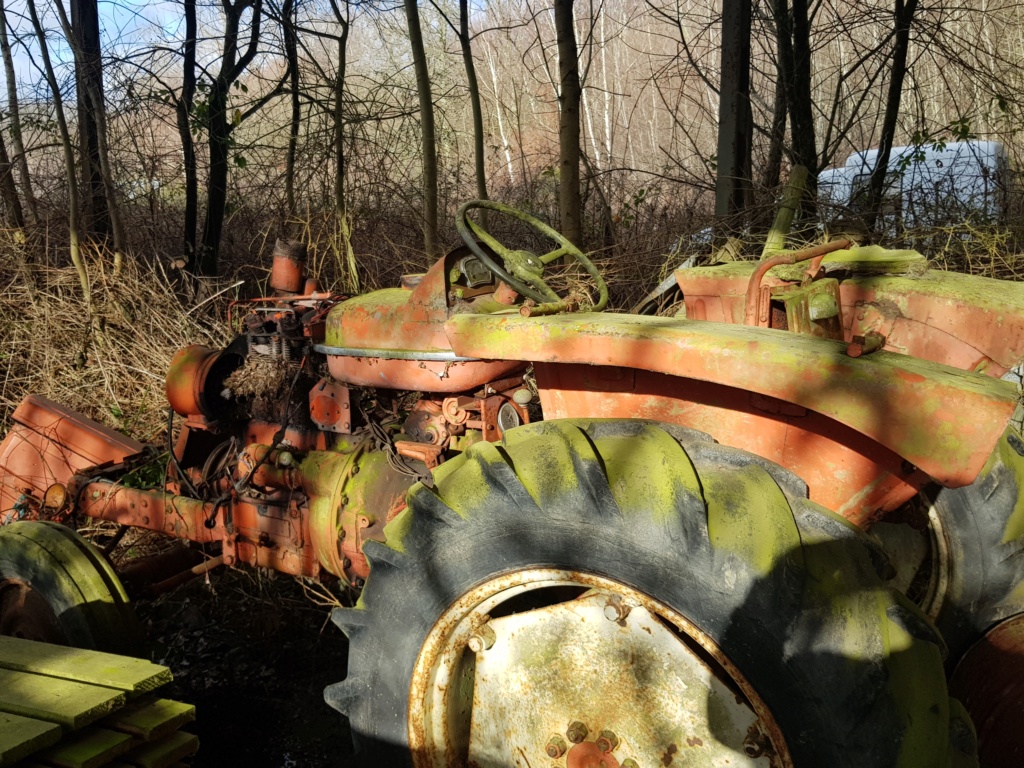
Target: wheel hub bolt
(615, 609)
(607, 741)
(576, 732)
(753, 745)
(556, 747)
(482, 639)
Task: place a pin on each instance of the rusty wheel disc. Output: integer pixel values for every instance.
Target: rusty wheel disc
(611, 676)
(57, 588)
(25, 613)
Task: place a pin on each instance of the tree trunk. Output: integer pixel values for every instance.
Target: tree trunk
(84, 37)
(188, 147)
(793, 33)
(219, 126)
(474, 100)
(800, 101)
(777, 139)
(292, 57)
(569, 95)
(74, 234)
(8, 190)
(20, 158)
(903, 18)
(219, 141)
(89, 76)
(346, 255)
(735, 122)
(429, 149)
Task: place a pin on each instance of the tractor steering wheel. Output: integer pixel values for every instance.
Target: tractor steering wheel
(523, 271)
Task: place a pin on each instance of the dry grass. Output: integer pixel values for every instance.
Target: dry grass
(111, 370)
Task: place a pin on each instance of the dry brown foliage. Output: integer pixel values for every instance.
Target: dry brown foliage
(113, 369)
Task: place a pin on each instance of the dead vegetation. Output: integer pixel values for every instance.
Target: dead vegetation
(111, 369)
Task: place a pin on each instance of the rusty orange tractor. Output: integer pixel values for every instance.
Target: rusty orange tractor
(776, 529)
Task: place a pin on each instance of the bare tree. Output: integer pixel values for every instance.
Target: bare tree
(429, 144)
(903, 19)
(184, 105)
(221, 123)
(569, 94)
(735, 123)
(74, 225)
(14, 112)
(82, 32)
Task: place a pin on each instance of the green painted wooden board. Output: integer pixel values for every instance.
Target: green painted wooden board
(108, 669)
(21, 736)
(151, 719)
(89, 749)
(163, 753)
(68, 703)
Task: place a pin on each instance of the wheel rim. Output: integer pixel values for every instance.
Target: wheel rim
(25, 613)
(923, 559)
(591, 673)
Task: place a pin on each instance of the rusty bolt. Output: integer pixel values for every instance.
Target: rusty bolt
(753, 745)
(607, 741)
(629, 762)
(576, 732)
(482, 639)
(556, 747)
(615, 609)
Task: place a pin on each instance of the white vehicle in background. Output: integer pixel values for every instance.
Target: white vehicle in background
(925, 186)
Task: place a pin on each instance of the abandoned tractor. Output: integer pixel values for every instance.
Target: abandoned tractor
(776, 529)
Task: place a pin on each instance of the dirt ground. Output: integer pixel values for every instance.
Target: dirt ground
(253, 654)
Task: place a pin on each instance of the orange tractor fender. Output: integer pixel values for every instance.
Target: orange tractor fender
(912, 420)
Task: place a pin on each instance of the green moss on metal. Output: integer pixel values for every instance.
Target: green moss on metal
(999, 297)
(648, 473)
(749, 516)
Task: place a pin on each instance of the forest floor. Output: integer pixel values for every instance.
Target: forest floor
(253, 654)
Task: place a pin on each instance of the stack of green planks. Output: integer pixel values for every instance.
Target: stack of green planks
(68, 708)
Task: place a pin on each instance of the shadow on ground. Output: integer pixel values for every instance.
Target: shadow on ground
(254, 655)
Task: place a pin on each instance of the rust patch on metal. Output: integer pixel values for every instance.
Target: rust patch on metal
(989, 681)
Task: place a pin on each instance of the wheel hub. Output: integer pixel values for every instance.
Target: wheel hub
(610, 679)
(24, 614)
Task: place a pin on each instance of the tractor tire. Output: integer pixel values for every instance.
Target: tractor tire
(982, 548)
(474, 639)
(56, 587)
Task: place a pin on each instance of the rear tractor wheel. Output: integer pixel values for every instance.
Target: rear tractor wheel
(56, 587)
(592, 593)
